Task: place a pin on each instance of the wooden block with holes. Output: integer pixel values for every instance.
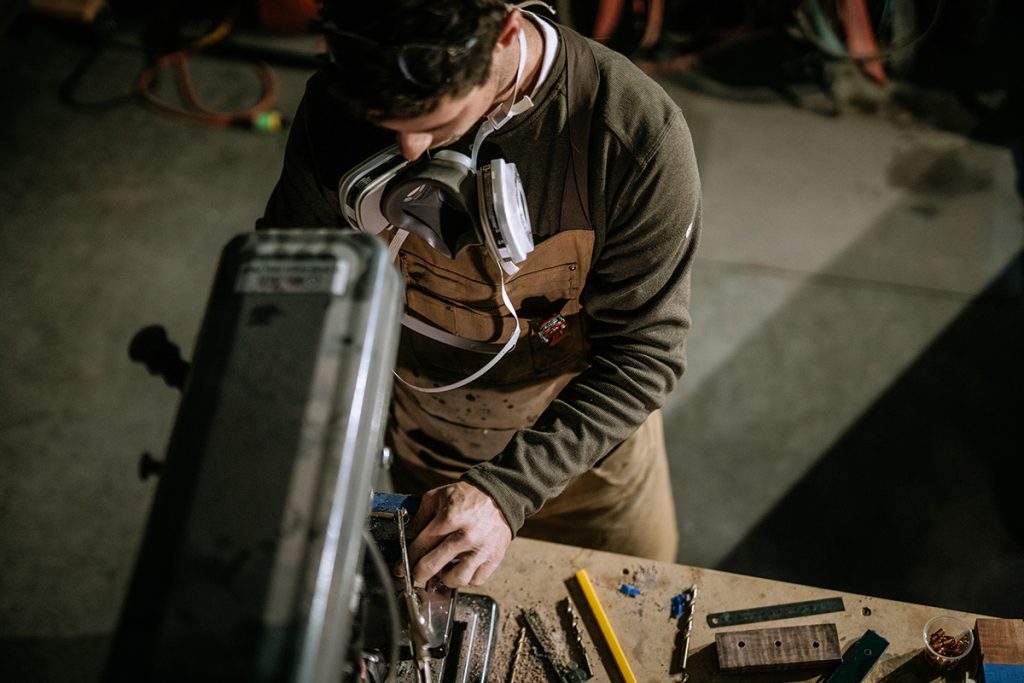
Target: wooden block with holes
(779, 648)
(1001, 644)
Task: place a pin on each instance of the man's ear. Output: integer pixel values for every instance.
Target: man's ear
(510, 29)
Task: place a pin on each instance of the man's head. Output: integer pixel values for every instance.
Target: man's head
(426, 69)
(398, 58)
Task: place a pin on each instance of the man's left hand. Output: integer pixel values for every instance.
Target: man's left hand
(459, 535)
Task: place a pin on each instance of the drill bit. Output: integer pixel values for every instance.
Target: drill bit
(515, 657)
(690, 596)
(575, 623)
(566, 671)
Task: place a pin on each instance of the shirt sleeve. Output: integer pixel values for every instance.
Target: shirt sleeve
(636, 305)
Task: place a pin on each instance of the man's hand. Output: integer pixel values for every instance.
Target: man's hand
(459, 535)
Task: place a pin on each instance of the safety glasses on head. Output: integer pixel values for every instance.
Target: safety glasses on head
(426, 66)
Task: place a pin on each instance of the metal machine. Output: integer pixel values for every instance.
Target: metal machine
(267, 556)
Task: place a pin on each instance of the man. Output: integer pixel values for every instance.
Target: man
(561, 439)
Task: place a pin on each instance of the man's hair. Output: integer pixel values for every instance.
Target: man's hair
(371, 41)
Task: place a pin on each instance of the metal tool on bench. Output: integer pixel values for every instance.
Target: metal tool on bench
(566, 670)
(577, 635)
(689, 597)
(773, 612)
(261, 559)
(516, 655)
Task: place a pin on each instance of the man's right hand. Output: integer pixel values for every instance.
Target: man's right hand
(459, 535)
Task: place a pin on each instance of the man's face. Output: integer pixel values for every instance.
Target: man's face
(446, 123)
(455, 116)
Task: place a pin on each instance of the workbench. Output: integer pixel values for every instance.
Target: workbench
(540, 575)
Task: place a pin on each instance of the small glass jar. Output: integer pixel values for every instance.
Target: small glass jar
(947, 640)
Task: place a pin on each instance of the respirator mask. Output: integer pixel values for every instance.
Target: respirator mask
(444, 197)
(444, 200)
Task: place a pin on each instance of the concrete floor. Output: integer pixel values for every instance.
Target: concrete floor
(850, 417)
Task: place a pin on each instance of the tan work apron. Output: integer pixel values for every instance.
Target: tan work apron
(622, 505)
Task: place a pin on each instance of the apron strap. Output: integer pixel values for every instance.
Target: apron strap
(582, 81)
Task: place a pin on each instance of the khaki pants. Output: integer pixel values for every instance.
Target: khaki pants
(624, 505)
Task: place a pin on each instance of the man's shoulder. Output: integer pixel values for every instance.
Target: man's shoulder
(631, 105)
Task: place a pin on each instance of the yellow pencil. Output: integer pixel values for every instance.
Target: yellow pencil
(606, 627)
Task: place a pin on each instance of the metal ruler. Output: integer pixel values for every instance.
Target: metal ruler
(772, 612)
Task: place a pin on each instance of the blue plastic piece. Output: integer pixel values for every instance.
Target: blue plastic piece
(679, 603)
(1002, 673)
(630, 590)
(390, 502)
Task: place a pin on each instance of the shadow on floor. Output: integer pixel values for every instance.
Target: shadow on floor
(53, 660)
(931, 471)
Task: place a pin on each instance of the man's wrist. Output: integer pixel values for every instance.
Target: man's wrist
(501, 496)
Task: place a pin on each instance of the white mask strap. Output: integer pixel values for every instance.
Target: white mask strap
(504, 112)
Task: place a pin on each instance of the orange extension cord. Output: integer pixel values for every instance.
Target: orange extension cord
(260, 116)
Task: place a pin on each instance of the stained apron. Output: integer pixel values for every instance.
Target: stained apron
(624, 504)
